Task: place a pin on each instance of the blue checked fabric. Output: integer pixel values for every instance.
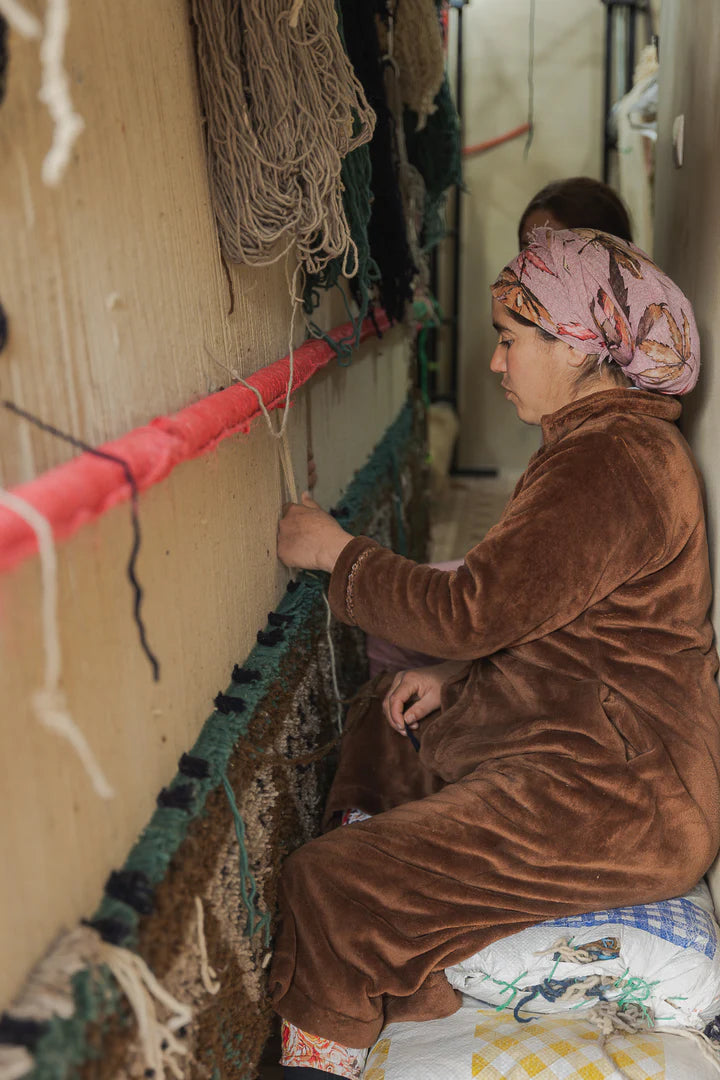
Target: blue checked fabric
(677, 921)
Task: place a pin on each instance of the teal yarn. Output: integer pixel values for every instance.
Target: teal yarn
(248, 888)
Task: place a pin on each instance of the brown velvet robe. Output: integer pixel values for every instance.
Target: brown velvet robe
(575, 767)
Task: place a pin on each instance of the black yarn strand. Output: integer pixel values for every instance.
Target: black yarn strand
(4, 329)
(134, 517)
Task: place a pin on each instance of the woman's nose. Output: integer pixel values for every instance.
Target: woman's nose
(497, 360)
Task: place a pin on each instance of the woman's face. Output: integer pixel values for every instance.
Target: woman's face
(538, 376)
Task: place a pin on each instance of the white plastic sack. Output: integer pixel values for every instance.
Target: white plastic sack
(664, 957)
(479, 1043)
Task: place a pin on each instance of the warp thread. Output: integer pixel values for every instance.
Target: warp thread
(280, 434)
(134, 518)
(339, 713)
(54, 90)
(282, 109)
(49, 703)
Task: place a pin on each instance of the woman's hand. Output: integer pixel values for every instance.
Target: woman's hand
(308, 537)
(422, 686)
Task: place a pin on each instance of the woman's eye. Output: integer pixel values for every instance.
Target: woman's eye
(505, 342)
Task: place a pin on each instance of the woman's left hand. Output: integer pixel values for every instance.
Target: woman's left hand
(308, 537)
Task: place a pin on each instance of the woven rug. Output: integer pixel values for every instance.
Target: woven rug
(250, 790)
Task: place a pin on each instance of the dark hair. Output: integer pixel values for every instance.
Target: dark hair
(544, 334)
(590, 366)
(581, 203)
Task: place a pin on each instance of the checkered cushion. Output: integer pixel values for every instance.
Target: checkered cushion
(493, 1046)
(678, 921)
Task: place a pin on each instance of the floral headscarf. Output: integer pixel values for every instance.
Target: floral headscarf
(603, 295)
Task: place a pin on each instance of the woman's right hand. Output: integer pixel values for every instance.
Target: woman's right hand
(422, 684)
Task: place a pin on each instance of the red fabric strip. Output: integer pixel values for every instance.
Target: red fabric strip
(79, 491)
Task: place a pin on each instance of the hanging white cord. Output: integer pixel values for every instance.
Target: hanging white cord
(49, 703)
(20, 20)
(55, 92)
(54, 89)
(208, 975)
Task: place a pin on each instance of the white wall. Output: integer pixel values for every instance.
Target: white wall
(687, 228)
(687, 214)
(569, 45)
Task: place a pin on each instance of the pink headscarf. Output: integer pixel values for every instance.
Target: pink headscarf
(603, 295)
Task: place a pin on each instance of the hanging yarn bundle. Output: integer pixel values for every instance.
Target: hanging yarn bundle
(435, 152)
(414, 39)
(355, 174)
(282, 109)
(386, 231)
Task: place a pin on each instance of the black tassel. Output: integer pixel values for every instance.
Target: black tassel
(133, 888)
(196, 767)
(14, 1031)
(276, 618)
(114, 931)
(242, 675)
(3, 328)
(177, 798)
(225, 704)
(340, 512)
(272, 637)
(293, 585)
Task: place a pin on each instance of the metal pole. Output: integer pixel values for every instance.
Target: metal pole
(457, 219)
(607, 97)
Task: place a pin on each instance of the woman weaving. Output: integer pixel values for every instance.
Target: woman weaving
(569, 742)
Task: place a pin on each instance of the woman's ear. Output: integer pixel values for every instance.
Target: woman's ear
(573, 357)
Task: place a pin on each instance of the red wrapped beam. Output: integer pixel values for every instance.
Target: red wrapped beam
(79, 491)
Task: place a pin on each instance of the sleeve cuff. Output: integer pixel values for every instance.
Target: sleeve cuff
(341, 593)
